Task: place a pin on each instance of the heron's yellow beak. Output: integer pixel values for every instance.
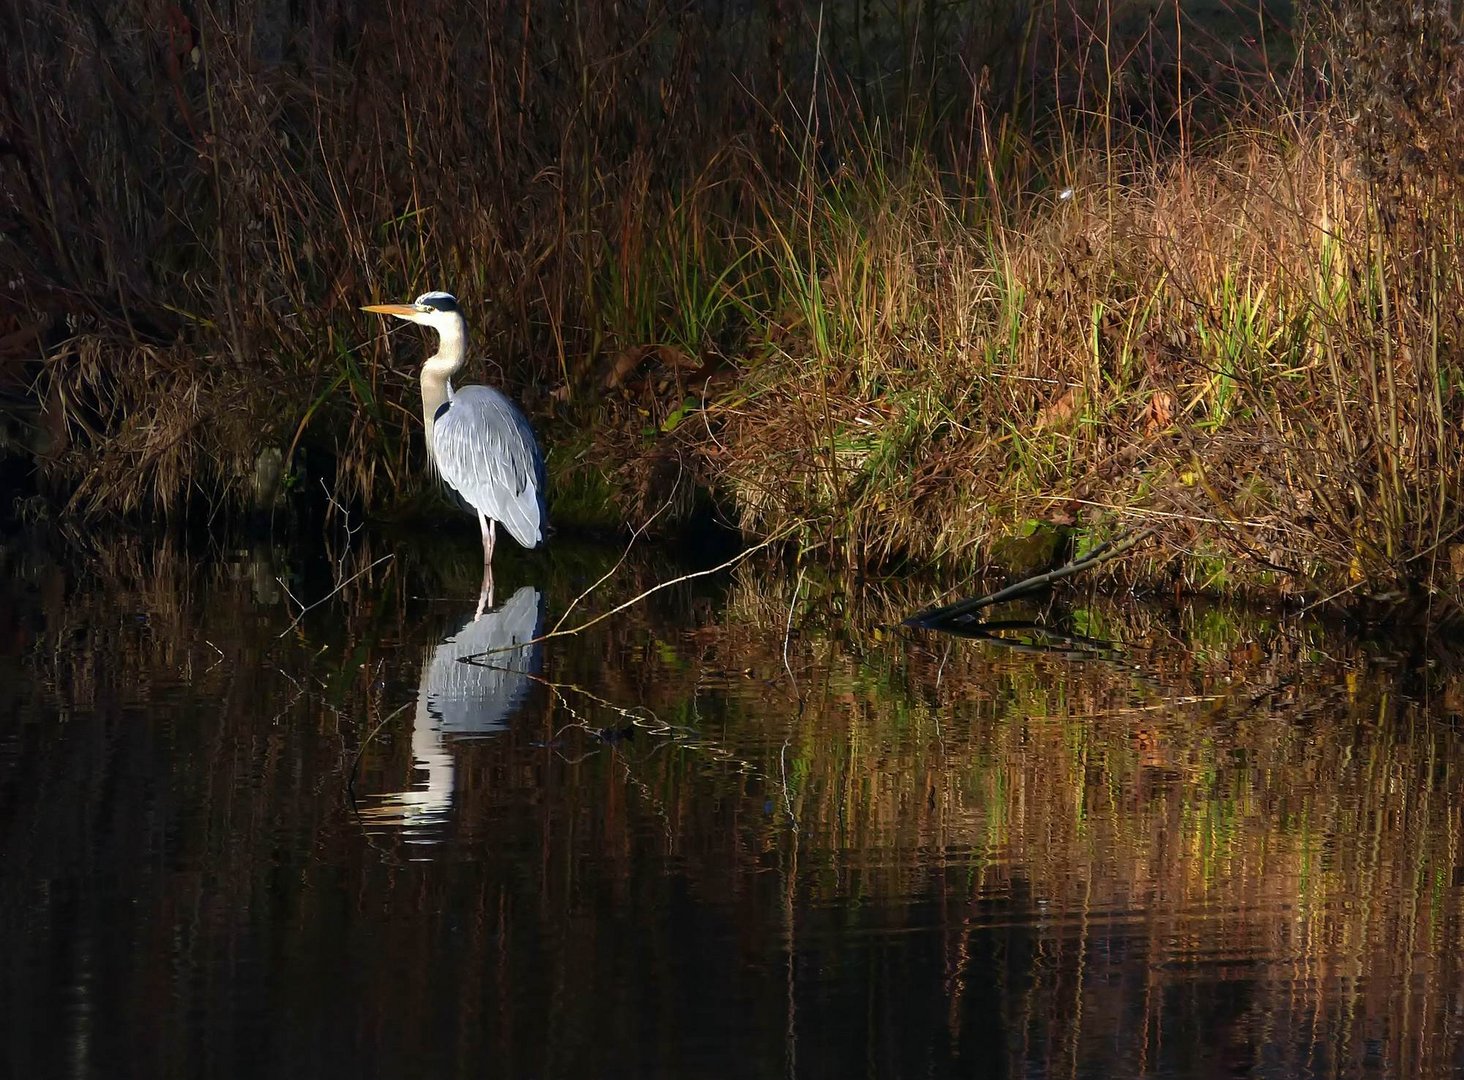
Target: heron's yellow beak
(401, 311)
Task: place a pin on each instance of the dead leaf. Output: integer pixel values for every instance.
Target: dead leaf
(1160, 413)
(1061, 410)
(1456, 561)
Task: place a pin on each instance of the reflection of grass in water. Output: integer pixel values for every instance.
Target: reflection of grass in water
(1240, 794)
(1061, 770)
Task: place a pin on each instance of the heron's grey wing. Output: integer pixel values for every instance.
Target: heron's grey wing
(486, 450)
(480, 697)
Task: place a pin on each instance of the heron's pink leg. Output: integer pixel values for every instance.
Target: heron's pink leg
(485, 598)
(490, 533)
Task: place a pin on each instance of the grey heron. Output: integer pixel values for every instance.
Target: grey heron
(477, 439)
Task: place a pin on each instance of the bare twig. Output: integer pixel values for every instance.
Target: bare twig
(303, 609)
(726, 564)
(788, 631)
(634, 536)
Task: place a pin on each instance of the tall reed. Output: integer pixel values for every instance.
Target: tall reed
(919, 279)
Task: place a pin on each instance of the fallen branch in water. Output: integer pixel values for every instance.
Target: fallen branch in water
(608, 574)
(556, 632)
(1109, 549)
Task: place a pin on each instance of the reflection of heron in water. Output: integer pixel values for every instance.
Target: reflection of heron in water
(466, 699)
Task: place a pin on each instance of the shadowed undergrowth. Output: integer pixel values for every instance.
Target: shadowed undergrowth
(1063, 276)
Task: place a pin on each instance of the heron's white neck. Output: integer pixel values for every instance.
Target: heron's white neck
(441, 366)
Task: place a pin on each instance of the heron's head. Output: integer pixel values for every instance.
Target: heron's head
(438, 310)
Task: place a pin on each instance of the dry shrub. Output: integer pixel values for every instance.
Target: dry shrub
(231, 181)
(1241, 324)
(171, 420)
(1231, 346)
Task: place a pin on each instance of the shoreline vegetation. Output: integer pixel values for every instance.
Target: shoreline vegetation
(923, 287)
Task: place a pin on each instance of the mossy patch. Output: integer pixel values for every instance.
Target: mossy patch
(1035, 548)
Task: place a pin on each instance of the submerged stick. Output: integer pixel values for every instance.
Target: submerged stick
(746, 553)
(1109, 549)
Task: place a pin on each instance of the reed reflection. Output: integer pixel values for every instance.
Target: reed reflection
(1235, 853)
(472, 685)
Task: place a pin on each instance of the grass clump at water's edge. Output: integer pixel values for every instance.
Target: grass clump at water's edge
(1232, 348)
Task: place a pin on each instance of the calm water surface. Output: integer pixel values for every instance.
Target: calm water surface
(746, 828)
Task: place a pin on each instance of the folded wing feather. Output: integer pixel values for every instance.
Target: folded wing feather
(486, 451)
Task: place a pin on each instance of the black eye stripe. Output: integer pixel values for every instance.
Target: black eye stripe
(438, 301)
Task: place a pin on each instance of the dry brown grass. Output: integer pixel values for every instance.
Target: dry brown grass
(1229, 345)
(734, 260)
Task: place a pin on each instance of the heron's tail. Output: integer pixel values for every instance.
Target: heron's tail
(526, 521)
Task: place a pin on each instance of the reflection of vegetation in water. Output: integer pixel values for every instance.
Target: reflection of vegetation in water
(1241, 800)
(1199, 782)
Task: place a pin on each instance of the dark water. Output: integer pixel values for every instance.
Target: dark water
(743, 829)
